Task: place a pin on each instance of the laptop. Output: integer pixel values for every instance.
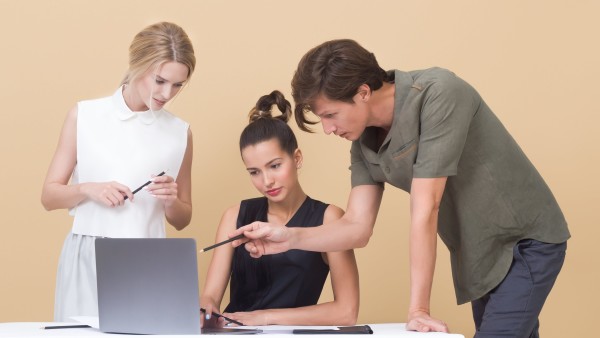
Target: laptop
(147, 285)
(150, 286)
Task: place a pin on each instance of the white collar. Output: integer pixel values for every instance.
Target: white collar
(124, 113)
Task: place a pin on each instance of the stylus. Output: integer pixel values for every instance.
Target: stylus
(143, 185)
(79, 326)
(220, 315)
(240, 236)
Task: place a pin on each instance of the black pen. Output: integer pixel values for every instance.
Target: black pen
(227, 319)
(76, 326)
(240, 236)
(143, 185)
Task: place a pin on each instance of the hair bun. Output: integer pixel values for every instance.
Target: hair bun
(263, 107)
(256, 114)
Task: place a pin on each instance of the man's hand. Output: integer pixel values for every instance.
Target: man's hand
(264, 238)
(421, 321)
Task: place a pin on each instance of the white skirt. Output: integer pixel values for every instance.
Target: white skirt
(76, 292)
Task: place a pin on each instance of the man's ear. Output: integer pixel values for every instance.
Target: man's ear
(364, 92)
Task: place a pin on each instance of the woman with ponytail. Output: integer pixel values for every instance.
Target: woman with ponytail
(280, 289)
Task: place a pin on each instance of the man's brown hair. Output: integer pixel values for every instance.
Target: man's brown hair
(334, 69)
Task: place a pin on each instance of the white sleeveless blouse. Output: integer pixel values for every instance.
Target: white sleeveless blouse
(116, 144)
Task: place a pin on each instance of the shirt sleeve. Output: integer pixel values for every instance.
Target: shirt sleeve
(448, 108)
(360, 174)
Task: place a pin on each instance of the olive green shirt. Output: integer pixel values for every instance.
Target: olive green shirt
(494, 196)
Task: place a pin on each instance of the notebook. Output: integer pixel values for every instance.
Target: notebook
(147, 285)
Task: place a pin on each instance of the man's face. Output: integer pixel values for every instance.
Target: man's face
(347, 120)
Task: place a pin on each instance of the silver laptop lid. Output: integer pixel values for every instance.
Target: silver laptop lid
(148, 285)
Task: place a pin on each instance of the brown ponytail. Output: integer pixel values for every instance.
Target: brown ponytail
(264, 126)
(263, 108)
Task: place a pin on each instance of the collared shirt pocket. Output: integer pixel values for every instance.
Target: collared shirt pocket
(399, 165)
(376, 171)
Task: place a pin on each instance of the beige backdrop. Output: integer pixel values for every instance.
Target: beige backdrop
(534, 62)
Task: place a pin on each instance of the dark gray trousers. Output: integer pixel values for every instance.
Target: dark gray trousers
(512, 308)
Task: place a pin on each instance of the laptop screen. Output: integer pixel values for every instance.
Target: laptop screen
(148, 285)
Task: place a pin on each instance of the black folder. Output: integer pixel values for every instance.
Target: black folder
(358, 329)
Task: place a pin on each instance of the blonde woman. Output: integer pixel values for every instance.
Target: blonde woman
(110, 146)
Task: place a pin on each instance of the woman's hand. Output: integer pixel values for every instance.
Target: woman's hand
(110, 194)
(251, 318)
(206, 317)
(163, 187)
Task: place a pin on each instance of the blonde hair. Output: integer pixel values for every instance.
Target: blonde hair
(156, 44)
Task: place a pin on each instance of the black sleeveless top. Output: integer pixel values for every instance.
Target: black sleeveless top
(291, 279)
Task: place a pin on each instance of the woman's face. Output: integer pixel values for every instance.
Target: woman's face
(157, 86)
(273, 172)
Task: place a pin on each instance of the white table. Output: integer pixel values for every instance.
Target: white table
(34, 329)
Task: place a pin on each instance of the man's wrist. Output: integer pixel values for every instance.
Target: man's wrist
(414, 310)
